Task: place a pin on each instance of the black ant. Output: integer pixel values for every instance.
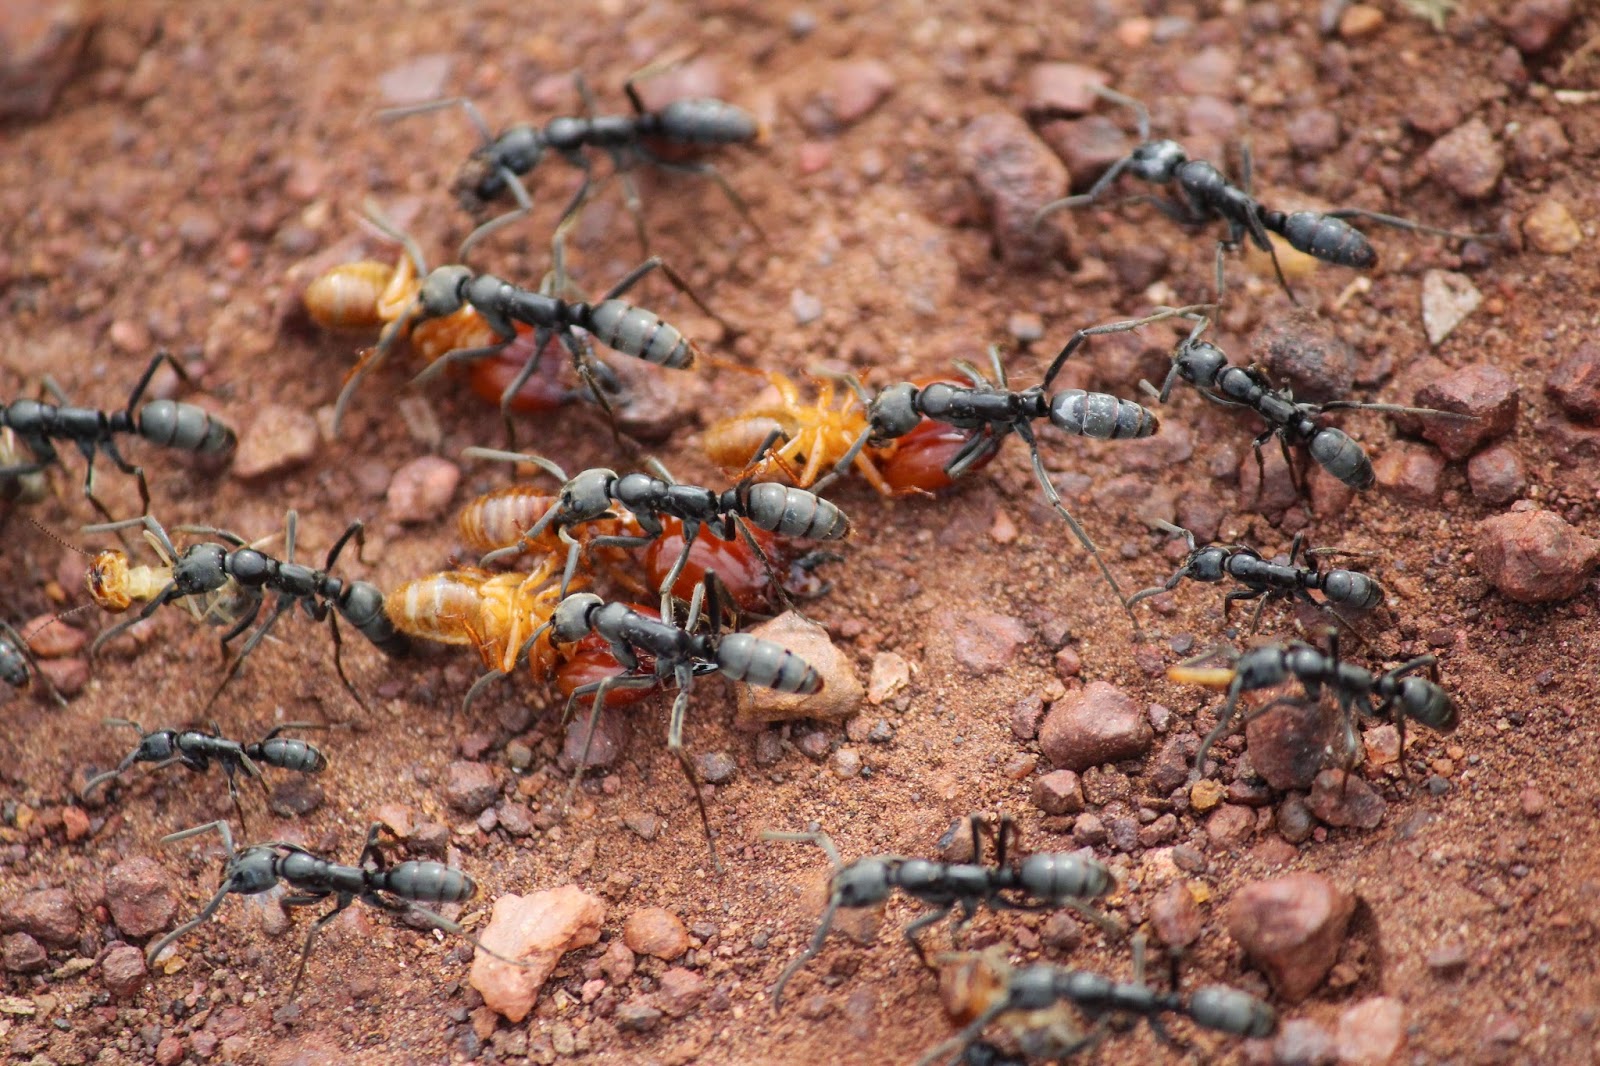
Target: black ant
(313, 879)
(1399, 694)
(653, 651)
(589, 495)
(196, 751)
(998, 410)
(498, 165)
(208, 568)
(1042, 881)
(17, 664)
(163, 422)
(1265, 581)
(1204, 194)
(992, 988)
(1296, 425)
(612, 321)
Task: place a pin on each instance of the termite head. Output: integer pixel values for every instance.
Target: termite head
(108, 581)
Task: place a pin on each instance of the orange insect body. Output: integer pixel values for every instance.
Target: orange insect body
(115, 586)
(812, 438)
(493, 613)
(499, 519)
(347, 297)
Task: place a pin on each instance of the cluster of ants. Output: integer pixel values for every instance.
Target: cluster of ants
(731, 553)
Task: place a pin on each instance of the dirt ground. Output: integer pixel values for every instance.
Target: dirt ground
(209, 157)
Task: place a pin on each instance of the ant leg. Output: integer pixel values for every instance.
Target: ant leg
(630, 199)
(344, 900)
(680, 707)
(776, 582)
(632, 278)
(1191, 311)
(524, 208)
(283, 604)
(600, 690)
(708, 170)
(154, 950)
(690, 532)
(844, 463)
(338, 661)
(952, 1050)
(910, 933)
(474, 116)
(1224, 720)
(355, 530)
(1054, 499)
(1240, 594)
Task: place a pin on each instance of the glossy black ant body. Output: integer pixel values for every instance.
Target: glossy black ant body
(679, 654)
(588, 496)
(313, 879)
(17, 664)
(94, 432)
(998, 410)
(204, 569)
(1204, 194)
(196, 751)
(1296, 425)
(1265, 580)
(1041, 881)
(615, 323)
(1042, 988)
(1395, 695)
(497, 167)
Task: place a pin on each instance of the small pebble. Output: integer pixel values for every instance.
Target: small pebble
(644, 824)
(1056, 89)
(1088, 146)
(278, 439)
(1551, 229)
(1371, 1032)
(1535, 556)
(655, 931)
(470, 787)
(1360, 20)
(1533, 25)
(1314, 133)
(715, 767)
(295, 796)
(1447, 299)
(1292, 927)
(805, 307)
(123, 970)
(41, 45)
(76, 822)
(1289, 743)
(1306, 353)
(1230, 826)
(1539, 143)
(856, 88)
(20, 953)
(1205, 794)
(1468, 160)
(1015, 174)
(536, 930)
(610, 737)
(1574, 384)
(50, 638)
(1294, 819)
(846, 763)
(1099, 724)
(986, 643)
(1343, 800)
(69, 676)
(1175, 916)
(890, 674)
(637, 1015)
(416, 80)
(139, 896)
(1409, 472)
(421, 490)
(1532, 803)
(1449, 956)
(1302, 1042)
(1208, 72)
(1483, 391)
(1496, 475)
(1058, 792)
(680, 991)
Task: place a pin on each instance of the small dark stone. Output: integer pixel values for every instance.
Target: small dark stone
(715, 767)
(1341, 799)
(470, 787)
(637, 1015)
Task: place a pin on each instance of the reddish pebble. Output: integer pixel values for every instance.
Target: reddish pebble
(1532, 802)
(680, 991)
(1343, 800)
(1575, 383)
(1409, 472)
(1292, 927)
(1098, 725)
(536, 930)
(50, 638)
(20, 953)
(1468, 160)
(1485, 393)
(1289, 743)
(139, 895)
(1058, 792)
(170, 1051)
(655, 931)
(278, 439)
(1496, 475)
(1175, 916)
(422, 489)
(69, 676)
(1371, 1033)
(1230, 826)
(985, 643)
(123, 970)
(76, 822)
(470, 787)
(1533, 25)
(1015, 174)
(48, 915)
(1535, 556)
(856, 88)
(1063, 89)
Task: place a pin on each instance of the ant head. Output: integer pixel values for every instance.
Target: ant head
(157, 746)
(570, 620)
(588, 495)
(1157, 161)
(444, 290)
(200, 570)
(254, 871)
(862, 883)
(894, 413)
(1199, 363)
(108, 581)
(1206, 563)
(1425, 702)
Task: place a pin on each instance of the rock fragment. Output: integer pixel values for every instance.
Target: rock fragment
(39, 49)
(1343, 800)
(1468, 160)
(48, 915)
(1292, 928)
(280, 438)
(422, 489)
(138, 896)
(1574, 384)
(1551, 229)
(123, 970)
(1371, 1032)
(1288, 745)
(1496, 475)
(655, 931)
(1447, 299)
(1535, 556)
(1015, 175)
(536, 930)
(469, 787)
(1056, 89)
(1487, 394)
(1099, 724)
(841, 694)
